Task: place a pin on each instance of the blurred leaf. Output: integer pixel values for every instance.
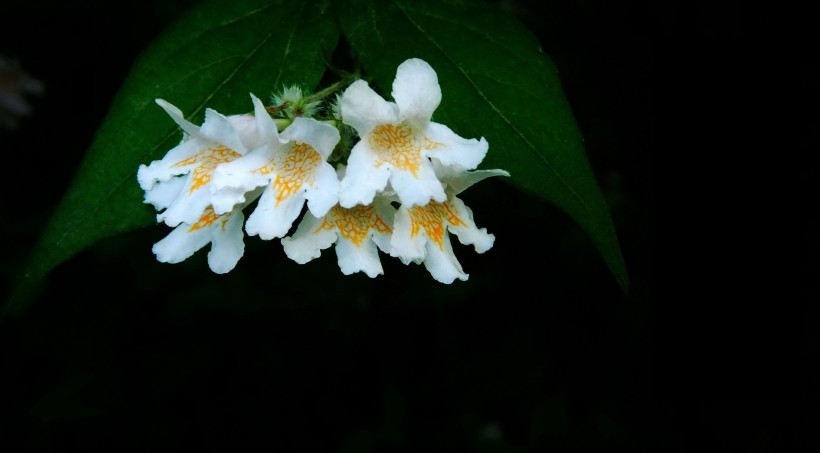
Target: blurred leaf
(213, 57)
(496, 83)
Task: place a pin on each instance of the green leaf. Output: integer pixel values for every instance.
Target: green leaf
(497, 83)
(213, 57)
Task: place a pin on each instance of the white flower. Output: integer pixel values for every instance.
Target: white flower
(356, 231)
(293, 169)
(224, 232)
(178, 183)
(420, 233)
(398, 140)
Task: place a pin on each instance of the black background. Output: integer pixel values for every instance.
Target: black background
(538, 351)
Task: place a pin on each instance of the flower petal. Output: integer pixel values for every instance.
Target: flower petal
(442, 263)
(169, 166)
(416, 91)
(457, 180)
(323, 193)
(466, 230)
(181, 244)
(187, 208)
(227, 199)
(309, 240)
(407, 242)
(273, 218)
(178, 117)
(227, 245)
(164, 193)
(264, 123)
(363, 178)
(386, 213)
(232, 180)
(362, 258)
(418, 189)
(322, 137)
(247, 130)
(363, 109)
(218, 129)
(451, 149)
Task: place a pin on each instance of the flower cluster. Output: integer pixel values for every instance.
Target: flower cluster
(397, 191)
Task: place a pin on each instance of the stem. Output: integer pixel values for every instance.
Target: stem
(347, 80)
(276, 108)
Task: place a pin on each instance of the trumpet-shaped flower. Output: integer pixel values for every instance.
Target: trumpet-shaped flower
(223, 232)
(420, 233)
(179, 182)
(358, 232)
(398, 140)
(293, 169)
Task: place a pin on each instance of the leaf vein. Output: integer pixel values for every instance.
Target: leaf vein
(287, 46)
(506, 120)
(375, 24)
(228, 22)
(510, 50)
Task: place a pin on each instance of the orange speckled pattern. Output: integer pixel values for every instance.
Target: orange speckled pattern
(295, 171)
(355, 223)
(208, 160)
(208, 218)
(433, 218)
(399, 146)
(265, 169)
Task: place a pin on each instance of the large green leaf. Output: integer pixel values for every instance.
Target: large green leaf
(213, 57)
(497, 83)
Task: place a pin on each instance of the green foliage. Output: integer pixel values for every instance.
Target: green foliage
(496, 83)
(213, 57)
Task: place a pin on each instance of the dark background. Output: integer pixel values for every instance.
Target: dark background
(538, 351)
